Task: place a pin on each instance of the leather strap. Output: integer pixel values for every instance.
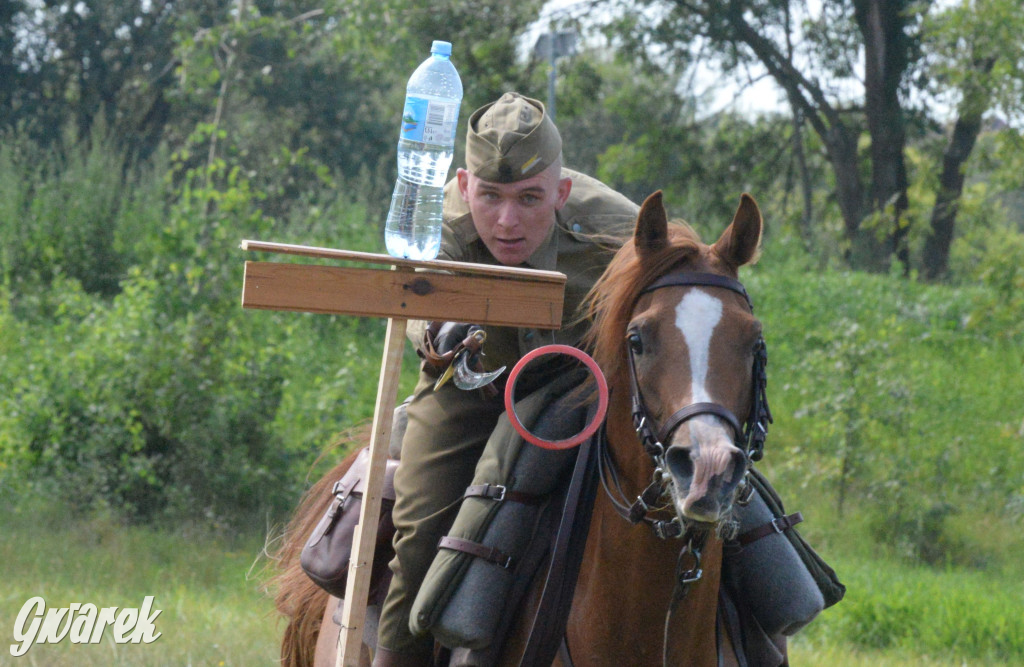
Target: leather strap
(489, 554)
(501, 493)
(547, 631)
(781, 524)
(694, 409)
(692, 279)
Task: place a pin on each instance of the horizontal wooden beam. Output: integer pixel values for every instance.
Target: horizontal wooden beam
(403, 293)
(513, 272)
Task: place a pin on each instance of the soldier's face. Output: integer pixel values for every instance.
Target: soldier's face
(513, 219)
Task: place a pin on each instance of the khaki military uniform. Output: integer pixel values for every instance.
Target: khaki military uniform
(448, 428)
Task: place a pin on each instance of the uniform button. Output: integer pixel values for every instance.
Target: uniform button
(576, 227)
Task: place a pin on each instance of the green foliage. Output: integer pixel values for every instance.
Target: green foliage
(165, 399)
(976, 54)
(207, 587)
(945, 613)
(211, 610)
(892, 403)
(67, 214)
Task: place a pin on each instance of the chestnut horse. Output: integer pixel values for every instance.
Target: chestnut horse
(674, 334)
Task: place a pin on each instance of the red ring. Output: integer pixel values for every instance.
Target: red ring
(602, 397)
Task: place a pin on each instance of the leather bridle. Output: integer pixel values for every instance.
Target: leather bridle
(753, 430)
(749, 435)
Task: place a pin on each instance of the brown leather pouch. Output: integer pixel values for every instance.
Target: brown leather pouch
(326, 555)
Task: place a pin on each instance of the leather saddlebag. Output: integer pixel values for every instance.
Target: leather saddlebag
(325, 557)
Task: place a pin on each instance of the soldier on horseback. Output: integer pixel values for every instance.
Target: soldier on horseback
(514, 204)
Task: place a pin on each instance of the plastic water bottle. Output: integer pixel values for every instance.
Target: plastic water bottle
(425, 147)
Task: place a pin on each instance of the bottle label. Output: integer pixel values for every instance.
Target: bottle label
(429, 121)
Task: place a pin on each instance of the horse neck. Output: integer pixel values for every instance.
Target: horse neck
(628, 577)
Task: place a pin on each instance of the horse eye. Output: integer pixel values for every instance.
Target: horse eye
(636, 344)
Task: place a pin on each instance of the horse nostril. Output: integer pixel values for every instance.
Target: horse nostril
(739, 468)
(679, 463)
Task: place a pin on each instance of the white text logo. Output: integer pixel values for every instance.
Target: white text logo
(82, 624)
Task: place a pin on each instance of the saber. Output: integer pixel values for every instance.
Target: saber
(459, 371)
(466, 379)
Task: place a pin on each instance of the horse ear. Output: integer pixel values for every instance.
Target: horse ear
(651, 225)
(741, 240)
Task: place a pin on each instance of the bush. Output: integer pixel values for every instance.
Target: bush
(165, 400)
(891, 403)
(70, 214)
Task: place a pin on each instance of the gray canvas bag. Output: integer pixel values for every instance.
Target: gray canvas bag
(771, 570)
(461, 598)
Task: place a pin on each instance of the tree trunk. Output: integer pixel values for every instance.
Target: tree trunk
(841, 144)
(976, 100)
(882, 25)
(947, 200)
(806, 187)
(807, 97)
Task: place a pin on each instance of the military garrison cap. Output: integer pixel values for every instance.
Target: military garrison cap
(511, 139)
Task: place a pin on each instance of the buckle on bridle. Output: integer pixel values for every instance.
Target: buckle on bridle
(695, 572)
(745, 492)
(667, 530)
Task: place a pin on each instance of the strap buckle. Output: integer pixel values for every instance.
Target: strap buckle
(784, 523)
(667, 530)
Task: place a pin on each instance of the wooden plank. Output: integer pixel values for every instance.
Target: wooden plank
(411, 295)
(357, 588)
(511, 272)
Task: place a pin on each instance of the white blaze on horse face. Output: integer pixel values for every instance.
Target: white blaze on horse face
(697, 315)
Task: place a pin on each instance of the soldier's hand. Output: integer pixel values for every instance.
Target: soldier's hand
(443, 340)
(450, 334)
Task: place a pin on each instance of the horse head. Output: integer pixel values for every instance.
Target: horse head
(688, 342)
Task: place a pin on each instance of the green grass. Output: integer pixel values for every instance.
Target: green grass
(804, 653)
(918, 615)
(213, 613)
(212, 610)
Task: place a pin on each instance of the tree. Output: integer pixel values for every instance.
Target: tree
(807, 60)
(901, 55)
(71, 62)
(279, 88)
(978, 53)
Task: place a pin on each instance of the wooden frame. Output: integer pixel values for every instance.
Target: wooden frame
(427, 290)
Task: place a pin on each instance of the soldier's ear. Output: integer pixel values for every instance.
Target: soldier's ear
(564, 188)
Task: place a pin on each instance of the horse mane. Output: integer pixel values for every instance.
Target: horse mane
(610, 301)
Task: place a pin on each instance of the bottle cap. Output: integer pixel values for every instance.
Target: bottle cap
(441, 48)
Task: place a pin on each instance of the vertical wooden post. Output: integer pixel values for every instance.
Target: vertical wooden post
(357, 589)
